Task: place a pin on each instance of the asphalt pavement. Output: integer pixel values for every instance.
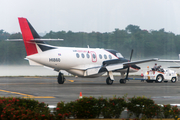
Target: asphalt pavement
(46, 89)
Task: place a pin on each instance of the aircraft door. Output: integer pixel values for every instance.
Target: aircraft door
(94, 57)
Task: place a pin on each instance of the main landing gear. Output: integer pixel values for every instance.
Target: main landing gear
(109, 81)
(122, 81)
(60, 78)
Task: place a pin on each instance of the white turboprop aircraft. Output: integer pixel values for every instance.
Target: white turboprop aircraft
(82, 62)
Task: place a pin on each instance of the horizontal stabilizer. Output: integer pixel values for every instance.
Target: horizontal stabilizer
(36, 40)
(14, 40)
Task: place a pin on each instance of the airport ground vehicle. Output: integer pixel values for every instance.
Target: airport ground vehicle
(160, 75)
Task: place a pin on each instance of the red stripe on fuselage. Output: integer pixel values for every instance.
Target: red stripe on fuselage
(27, 36)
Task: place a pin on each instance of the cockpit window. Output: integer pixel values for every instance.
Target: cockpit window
(115, 53)
(119, 55)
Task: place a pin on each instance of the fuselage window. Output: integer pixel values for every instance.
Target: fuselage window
(82, 55)
(94, 56)
(87, 55)
(100, 56)
(77, 55)
(110, 57)
(105, 56)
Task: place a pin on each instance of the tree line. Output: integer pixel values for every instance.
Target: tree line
(146, 44)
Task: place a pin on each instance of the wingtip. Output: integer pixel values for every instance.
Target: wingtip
(156, 59)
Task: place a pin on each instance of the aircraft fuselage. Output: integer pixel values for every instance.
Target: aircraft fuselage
(78, 61)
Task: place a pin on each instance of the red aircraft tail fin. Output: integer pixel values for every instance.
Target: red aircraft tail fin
(28, 33)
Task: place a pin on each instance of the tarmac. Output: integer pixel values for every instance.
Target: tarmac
(46, 89)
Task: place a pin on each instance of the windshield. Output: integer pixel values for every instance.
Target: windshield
(119, 55)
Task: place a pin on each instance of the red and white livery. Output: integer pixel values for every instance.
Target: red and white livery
(82, 62)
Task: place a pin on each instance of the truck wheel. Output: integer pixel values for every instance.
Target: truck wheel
(173, 80)
(159, 78)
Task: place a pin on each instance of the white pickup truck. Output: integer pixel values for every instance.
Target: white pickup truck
(160, 75)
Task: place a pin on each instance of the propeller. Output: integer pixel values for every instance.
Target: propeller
(129, 65)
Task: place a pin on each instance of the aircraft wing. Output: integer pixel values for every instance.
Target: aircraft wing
(176, 61)
(140, 61)
(174, 67)
(164, 60)
(118, 66)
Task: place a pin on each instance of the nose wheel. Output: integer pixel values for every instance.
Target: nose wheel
(61, 78)
(109, 81)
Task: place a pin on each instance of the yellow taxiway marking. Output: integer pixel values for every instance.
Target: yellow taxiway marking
(71, 80)
(39, 97)
(24, 83)
(27, 96)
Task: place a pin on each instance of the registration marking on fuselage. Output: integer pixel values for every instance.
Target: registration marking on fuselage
(26, 95)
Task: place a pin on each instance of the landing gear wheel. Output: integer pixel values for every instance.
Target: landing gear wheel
(173, 80)
(61, 78)
(122, 81)
(109, 81)
(159, 78)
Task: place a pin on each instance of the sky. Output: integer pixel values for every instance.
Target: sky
(91, 15)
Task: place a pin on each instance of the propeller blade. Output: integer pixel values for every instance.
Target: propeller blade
(128, 66)
(131, 55)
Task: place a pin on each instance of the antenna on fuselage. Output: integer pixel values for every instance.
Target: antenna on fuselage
(88, 46)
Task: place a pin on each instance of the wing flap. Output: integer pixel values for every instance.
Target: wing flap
(114, 67)
(92, 71)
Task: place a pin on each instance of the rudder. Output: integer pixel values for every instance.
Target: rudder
(28, 33)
